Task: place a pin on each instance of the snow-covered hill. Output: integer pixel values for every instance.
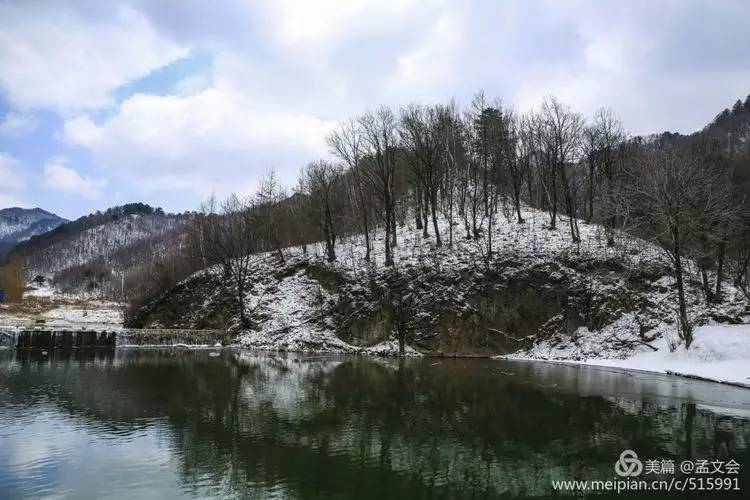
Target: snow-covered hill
(20, 224)
(538, 289)
(108, 242)
(92, 253)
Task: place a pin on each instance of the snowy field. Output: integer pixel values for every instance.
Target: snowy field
(45, 307)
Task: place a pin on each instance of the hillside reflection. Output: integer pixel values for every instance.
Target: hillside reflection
(256, 425)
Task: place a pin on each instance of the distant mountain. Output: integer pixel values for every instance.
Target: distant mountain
(92, 253)
(20, 224)
(730, 130)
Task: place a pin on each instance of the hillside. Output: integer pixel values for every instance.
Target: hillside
(91, 253)
(731, 127)
(730, 130)
(537, 288)
(20, 224)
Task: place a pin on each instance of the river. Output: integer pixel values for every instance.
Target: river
(140, 423)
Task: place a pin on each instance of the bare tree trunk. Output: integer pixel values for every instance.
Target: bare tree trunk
(330, 236)
(418, 211)
(394, 239)
(706, 285)
(720, 270)
(366, 224)
(517, 201)
(569, 205)
(433, 206)
(685, 331)
(530, 188)
(474, 210)
(450, 222)
(592, 172)
(387, 238)
(553, 208)
(241, 303)
(425, 214)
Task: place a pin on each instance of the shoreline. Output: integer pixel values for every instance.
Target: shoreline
(620, 369)
(415, 354)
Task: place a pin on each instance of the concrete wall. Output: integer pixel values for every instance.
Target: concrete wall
(71, 339)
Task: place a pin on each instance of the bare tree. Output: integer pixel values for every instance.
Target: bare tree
(563, 132)
(346, 143)
(321, 182)
(421, 136)
(478, 125)
(515, 158)
(269, 213)
(381, 140)
(546, 167)
(229, 238)
(451, 137)
(670, 197)
(604, 150)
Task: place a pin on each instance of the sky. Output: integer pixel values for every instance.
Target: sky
(168, 102)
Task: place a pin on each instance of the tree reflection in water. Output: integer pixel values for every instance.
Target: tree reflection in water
(342, 427)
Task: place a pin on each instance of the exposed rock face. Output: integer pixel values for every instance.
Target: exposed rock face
(443, 312)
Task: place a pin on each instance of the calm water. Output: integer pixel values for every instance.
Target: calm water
(166, 424)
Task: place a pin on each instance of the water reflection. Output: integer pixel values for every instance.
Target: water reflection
(165, 423)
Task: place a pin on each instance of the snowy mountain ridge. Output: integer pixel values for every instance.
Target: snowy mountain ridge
(93, 252)
(101, 242)
(20, 224)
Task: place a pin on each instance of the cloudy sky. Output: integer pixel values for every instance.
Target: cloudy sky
(165, 102)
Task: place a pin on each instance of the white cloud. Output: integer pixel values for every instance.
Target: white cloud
(417, 70)
(9, 176)
(11, 181)
(219, 139)
(282, 71)
(193, 84)
(16, 124)
(59, 177)
(324, 24)
(53, 56)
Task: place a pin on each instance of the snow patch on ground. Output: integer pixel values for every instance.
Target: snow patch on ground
(390, 348)
(294, 319)
(719, 352)
(291, 317)
(99, 314)
(44, 291)
(60, 314)
(295, 340)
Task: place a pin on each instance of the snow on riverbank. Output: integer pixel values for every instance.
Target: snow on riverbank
(104, 314)
(390, 348)
(719, 352)
(60, 313)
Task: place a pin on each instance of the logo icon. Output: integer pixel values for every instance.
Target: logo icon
(628, 465)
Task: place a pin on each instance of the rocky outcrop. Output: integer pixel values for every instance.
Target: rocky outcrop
(449, 301)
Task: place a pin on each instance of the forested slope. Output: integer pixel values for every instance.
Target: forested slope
(91, 254)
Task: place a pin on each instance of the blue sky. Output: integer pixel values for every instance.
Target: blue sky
(102, 103)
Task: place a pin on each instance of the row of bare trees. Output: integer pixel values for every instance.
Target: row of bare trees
(472, 166)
